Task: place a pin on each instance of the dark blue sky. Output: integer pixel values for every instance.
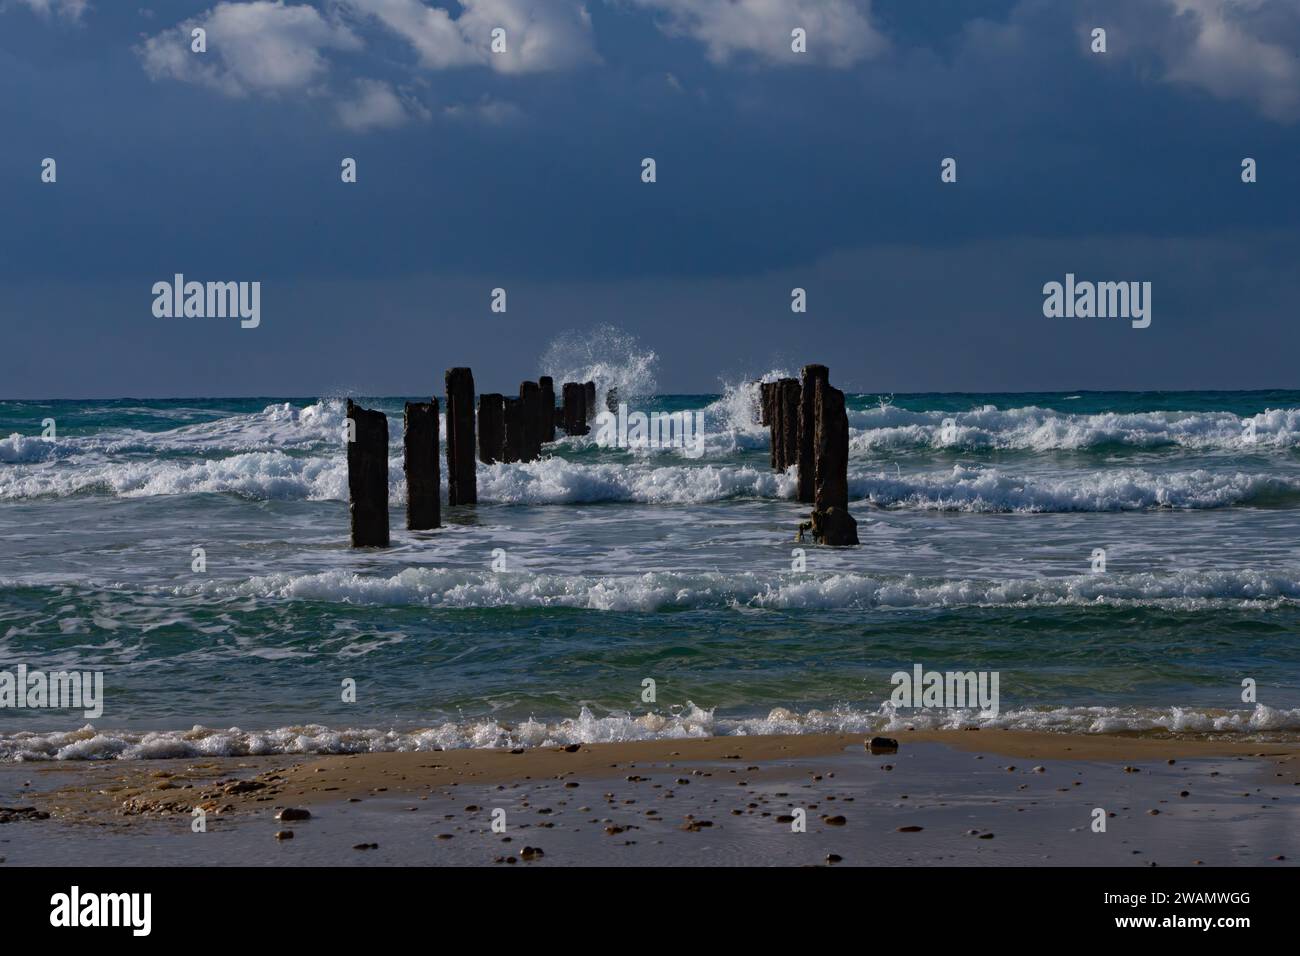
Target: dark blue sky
(522, 170)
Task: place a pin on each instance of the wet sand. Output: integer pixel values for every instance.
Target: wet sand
(945, 798)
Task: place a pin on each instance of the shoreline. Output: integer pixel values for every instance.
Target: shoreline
(944, 797)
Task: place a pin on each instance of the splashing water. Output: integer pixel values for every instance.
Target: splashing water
(736, 411)
(606, 355)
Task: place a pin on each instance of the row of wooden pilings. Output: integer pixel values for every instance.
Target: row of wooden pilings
(810, 430)
(509, 429)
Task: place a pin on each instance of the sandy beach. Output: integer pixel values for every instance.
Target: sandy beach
(944, 798)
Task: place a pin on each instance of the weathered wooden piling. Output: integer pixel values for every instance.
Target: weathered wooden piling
(589, 396)
(462, 482)
(831, 521)
(812, 375)
(491, 427)
(766, 403)
(546, 385)
(368, 477)
(611, 400)
(765, 393)
(513, 416)
(828, 473)
(784, 416)
(530, 399)
(575, 408)
(420, 463)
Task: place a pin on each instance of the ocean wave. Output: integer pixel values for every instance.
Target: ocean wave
(89, 743)
(977, 488)
(730, 428)
(446, 588)
(25, 449)
(557, 480)
(890, 428)
(260, 475)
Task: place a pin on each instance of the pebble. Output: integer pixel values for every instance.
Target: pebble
(293, 813)
(284, 834)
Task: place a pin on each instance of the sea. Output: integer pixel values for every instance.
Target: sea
(195, 553)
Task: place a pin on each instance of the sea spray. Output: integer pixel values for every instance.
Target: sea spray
(606, 355)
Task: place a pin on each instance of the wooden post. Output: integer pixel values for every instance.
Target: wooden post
(786, 423)
(513, 415)
(812, 374)
(368, 477)
(575, 409)
(546, 385)
(462, 482)
(420, 463)
(589, 396)
(611, 400)
(530, 400)
(491, 427)
(831, 522)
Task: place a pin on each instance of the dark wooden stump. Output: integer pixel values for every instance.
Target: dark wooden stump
(575, 409)
(530, 398)
(785, 423)
(831, 522)
(420, 463)
(765, 390)
(491, 428)
(368, 477)
(514, 430)
(546, 385)
(462, 481)
(812, 375)
(589, 396)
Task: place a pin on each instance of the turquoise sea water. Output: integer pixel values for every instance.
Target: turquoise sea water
(978, 515)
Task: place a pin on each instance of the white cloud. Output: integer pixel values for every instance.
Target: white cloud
(376, 105)
(541, 35)
(1233, 52)
(259, 47)
(68, 9)
(839, 32)
(487, 110)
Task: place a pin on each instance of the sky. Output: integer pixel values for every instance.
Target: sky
(522, 170)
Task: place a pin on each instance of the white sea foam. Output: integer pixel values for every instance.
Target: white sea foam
(731, 423)
(556, 480)
(22, 449)
(261, 475)
(989, 489)
(90, 743)
(661, 590)
(889, 428)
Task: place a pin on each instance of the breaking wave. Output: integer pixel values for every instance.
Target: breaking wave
(89, 743)
(664, 590)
